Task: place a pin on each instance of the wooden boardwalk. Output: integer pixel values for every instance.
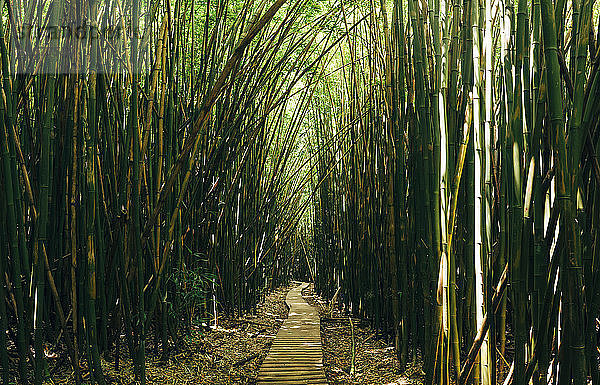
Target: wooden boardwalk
(296, 356)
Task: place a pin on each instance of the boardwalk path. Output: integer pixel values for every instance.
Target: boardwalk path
(296, 356)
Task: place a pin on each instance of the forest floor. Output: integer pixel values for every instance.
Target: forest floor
(375, 360)
(233, 352)
(230, 354)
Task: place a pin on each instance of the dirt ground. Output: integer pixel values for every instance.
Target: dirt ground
(233, 352)
(229, 354)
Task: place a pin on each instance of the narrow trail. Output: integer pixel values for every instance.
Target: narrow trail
(296, 356)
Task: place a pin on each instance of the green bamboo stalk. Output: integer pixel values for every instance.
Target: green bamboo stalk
(14, 252)
(515, 194)
(136, 242)
(563, 185)
(391, 116)
(400, 174)
(479, 230)
(92, 238)
(4, 247)
(10, 176)
(73, 233)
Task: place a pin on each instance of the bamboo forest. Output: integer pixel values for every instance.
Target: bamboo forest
(300, 192)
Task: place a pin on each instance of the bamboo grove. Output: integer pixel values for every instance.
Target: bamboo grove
(457, 185)
(433, 164)
(146, 180)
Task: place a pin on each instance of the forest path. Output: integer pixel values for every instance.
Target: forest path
(296, 356)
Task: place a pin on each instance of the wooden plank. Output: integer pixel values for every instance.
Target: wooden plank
(294, 361)
(293, 380)
(286, 366)
(295, 372)
(296, 356)
(292, 376)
